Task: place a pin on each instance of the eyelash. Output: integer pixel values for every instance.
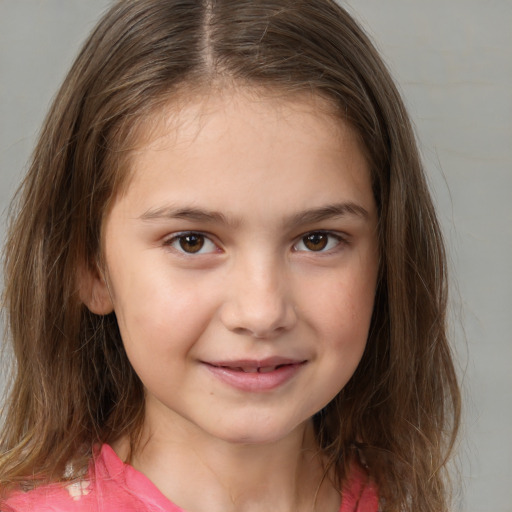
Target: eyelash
(177, 240)
(338, 239)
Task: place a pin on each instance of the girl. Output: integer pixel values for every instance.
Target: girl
(225, 280)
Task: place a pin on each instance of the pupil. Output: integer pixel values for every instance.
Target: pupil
(316, 241)
(191, 243)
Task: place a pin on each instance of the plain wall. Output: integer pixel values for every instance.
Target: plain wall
(453, 62)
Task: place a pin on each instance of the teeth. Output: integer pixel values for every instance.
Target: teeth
(267, 369)
(254, 369)
(251, 369)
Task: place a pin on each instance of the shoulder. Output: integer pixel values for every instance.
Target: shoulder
(110, 485)
(56, 497)
(79, 495)
(359, 493)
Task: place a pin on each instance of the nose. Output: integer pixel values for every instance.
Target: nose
(259, 301)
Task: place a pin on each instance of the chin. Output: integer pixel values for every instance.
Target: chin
(255, 433)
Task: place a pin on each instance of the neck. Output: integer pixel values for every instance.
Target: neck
(282, 476)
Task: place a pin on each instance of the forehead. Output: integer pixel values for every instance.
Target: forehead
(183, 112)
(242, 138)
(182, 118)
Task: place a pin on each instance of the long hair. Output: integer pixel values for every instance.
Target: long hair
(74, 386)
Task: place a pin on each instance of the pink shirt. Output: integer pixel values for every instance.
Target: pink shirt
(121, 488)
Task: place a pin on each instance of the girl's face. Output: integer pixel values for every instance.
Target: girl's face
(241, 263)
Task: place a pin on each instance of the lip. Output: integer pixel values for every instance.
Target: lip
(255, 375)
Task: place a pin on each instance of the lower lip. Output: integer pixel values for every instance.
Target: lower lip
(255, 382)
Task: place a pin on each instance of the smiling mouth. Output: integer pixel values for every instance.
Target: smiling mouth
(267, 365)
(256, 375)
(254, 369)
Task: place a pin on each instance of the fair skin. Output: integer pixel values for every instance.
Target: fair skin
(241, 262)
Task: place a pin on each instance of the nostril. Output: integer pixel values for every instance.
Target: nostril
(259, 334)
(269, 333)
(247, 314)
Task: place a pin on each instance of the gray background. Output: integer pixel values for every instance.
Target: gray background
(453, 61)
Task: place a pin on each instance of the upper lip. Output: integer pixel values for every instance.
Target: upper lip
(256, 363)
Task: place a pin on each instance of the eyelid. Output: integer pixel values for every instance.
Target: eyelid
(342, 239)
(173, 238)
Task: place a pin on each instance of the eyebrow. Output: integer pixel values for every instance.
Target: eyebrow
(309, 216)
(348, 209)
(187, 213)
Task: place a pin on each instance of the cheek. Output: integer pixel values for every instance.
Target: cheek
(340, 317)
(166, 313)
(342, 308)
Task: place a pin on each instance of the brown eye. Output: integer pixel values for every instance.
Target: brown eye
(316, 241)
(191, 243)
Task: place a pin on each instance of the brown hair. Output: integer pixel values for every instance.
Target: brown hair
(74, 386)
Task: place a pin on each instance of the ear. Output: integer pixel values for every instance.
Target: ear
(94, 291)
